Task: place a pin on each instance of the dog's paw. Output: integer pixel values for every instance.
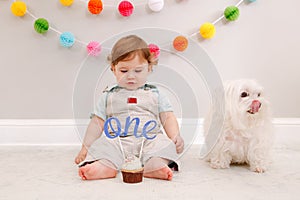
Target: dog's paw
(259, 169)
(219, 165)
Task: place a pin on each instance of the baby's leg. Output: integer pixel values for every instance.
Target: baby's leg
(81, 155)
(158, 168)
(100, 169)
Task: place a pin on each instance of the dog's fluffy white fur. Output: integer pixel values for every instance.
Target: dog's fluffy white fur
(246, 135)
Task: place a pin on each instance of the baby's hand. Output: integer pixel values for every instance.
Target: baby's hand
(179, 143)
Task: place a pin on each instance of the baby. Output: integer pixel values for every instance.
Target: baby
(132, 114)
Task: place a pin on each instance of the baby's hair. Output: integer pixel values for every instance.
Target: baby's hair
(127, 47)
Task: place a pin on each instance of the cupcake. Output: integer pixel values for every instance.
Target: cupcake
(132, 171)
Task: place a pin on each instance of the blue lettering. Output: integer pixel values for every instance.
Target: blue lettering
(144, 133)
(116, 133)
(107, 133)
(128, 123)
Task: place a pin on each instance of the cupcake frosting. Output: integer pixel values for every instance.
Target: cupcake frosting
(132, 164)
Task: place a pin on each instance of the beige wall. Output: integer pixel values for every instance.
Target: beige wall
(37, 75)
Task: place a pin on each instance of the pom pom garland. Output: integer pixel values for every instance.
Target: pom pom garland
(125, 8)
(232, 13)
(41, 25)
(93, 48)
(156, 5)
(180, 43)
(207, 30)
(66, 2)
(95, 6)
(18, 8)
(153, 48)
(66, 39)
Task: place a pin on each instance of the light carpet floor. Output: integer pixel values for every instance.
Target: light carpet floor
(48, 172)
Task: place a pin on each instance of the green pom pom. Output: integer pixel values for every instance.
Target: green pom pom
(231, 13)
(41, 25)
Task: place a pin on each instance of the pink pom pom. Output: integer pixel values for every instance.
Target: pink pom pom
(154, 49)
(93, 48)
(125, 8)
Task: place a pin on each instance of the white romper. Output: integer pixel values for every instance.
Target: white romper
(140, 108)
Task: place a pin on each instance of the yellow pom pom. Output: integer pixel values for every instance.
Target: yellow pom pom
(18, 8)
(66, 2)
(207, 30)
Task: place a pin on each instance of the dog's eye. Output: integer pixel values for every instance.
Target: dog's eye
(258, 94)
(244, 94)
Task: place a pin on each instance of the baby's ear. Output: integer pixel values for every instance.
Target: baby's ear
(112, 67)
(150, 68)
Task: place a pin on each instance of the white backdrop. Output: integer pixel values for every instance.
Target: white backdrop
(37, 75)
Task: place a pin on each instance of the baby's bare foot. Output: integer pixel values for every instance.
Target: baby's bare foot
(96, 170)
(164, 173)
(81, 156)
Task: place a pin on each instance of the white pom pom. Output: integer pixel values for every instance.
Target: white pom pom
(156, 5)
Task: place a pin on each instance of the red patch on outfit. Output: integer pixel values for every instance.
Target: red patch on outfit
(132, 100)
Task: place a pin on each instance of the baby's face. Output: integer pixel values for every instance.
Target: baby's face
(132, 74)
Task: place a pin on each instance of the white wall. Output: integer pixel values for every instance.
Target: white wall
(37, 75)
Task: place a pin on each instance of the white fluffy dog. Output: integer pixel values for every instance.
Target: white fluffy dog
(246, 133)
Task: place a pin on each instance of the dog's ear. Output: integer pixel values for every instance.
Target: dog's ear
(231, 89)
(234, 109)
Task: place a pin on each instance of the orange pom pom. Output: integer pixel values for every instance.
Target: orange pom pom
(95, 6)
(180, 43)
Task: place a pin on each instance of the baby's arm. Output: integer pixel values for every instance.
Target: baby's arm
(93, 132)
(171, 127)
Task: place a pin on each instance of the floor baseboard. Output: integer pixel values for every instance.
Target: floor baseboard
(69, 132)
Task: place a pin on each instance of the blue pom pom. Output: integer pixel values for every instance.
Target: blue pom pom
(67, 39)
(251, 0)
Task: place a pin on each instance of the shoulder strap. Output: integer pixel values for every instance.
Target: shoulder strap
(111, 88)
(149, 87)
